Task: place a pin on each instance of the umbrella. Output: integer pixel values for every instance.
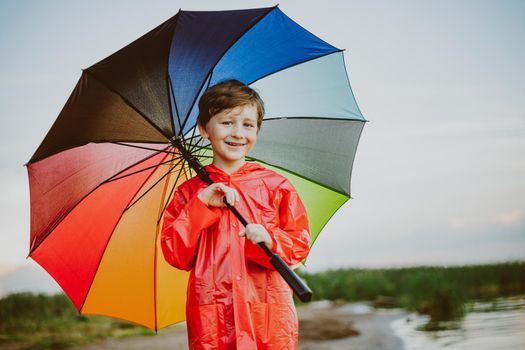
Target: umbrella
(105, 172)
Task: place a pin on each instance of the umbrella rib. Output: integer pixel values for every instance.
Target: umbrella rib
(207, 79)
(193, 146)
(155, 257)
(175, 104)
(155, 184)
(162, 213)
(204, 156)
(137, 162)
(111, 235)
(296, 64)
(193, 136)
(165, 150)
(141, 170)
(200, 150)
(72, 146)
(353, 159)
(191, 150)
(296, 174)
(222, 55)
(171, 193)
(316, 118)
(128, 103)
(170, 91)
(350, 86)
(190, 171)
(201, 154)
(198, 137)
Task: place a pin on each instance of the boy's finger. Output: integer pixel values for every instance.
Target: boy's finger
(242, 233)
(237, 196)
(230, 198)
(220, 186)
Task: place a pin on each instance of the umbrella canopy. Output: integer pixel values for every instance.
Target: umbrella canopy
(102, 177)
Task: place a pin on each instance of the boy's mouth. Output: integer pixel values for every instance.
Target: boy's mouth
(235, 144)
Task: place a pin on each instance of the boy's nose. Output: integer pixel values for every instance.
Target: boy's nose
(236, 131)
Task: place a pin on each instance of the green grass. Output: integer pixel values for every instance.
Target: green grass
(440, 292)
(39, 321)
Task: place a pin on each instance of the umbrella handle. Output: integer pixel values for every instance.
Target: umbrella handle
(300, 288)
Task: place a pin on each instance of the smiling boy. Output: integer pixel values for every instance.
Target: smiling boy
(235, 298)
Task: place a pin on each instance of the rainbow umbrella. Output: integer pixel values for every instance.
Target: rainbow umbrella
(102, 177)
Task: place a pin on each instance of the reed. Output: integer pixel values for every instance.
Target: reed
(438, 291)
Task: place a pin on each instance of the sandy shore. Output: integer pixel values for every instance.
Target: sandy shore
(172, 338)
(323, 326)
(372, 326)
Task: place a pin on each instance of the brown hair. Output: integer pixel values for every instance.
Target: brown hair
(227, 95)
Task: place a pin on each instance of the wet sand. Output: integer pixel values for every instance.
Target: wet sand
(368, 329)
(172, 338)
(323, 326)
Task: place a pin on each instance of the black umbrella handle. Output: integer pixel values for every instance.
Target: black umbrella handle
(300, 288)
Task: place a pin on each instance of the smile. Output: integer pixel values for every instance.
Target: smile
(235, 144)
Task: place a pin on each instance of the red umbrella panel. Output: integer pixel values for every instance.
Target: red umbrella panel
(95, 226)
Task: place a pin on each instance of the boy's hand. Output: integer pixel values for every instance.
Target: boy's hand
(257, 233)
(213, 195)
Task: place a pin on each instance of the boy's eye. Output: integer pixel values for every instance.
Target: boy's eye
(226, 122)
(249, 125)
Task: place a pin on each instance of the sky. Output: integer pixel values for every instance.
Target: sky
(439, 172)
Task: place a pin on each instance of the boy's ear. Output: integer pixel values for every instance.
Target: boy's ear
(202, 131)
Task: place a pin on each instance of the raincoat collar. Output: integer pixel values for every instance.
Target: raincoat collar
(247, 168)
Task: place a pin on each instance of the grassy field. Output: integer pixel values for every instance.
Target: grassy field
(442, 293)
(37, 321)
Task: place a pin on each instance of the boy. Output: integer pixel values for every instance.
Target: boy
(235, 298)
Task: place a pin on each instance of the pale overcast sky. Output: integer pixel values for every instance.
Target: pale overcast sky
(439, 173)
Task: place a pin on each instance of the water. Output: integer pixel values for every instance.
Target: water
(498, 324)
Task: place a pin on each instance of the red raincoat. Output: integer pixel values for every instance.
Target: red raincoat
(236, 299)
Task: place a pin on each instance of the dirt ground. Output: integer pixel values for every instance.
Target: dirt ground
(348, 326)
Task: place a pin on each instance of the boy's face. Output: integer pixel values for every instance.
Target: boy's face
(232, 134)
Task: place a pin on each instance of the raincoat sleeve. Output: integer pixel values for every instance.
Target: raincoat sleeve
(184, 220)
(289, 231)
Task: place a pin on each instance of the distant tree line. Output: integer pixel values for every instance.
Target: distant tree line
(440, 292)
